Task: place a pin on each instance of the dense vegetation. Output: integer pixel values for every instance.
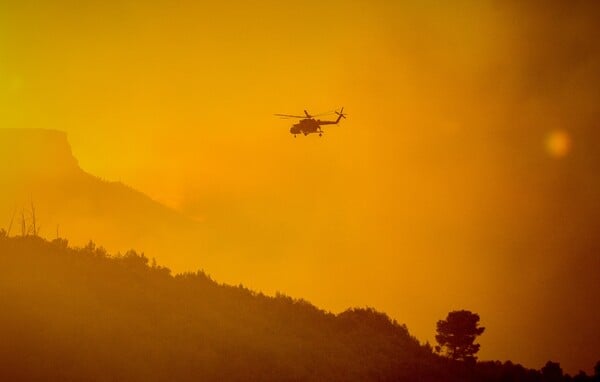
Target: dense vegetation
(80, 314)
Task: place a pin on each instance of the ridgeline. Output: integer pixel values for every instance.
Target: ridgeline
(81, 314)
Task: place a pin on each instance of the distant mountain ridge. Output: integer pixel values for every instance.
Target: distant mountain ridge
(22, 149)
(39, 169)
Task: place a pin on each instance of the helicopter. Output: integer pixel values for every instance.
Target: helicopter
(309, 125)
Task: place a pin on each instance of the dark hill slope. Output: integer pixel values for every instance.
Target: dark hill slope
(79, 314)
(72, 314)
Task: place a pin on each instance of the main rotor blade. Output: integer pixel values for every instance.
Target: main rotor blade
(322, 114)
(290, 116)
(304, 116)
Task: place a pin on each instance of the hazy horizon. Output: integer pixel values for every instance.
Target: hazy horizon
(464, 177)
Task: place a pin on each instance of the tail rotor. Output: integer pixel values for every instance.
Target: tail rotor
(341, 114)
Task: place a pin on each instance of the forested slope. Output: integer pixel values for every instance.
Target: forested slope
(80, 314)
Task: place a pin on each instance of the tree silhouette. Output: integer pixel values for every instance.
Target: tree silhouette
(552, 372)
(457, 335)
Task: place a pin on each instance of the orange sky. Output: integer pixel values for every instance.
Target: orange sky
(464, 177)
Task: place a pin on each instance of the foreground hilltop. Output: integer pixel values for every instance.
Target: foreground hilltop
(80, 314)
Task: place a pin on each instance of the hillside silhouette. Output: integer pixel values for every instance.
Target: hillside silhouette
(81, 314)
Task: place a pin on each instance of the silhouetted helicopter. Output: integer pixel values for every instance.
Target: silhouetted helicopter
(309, 125)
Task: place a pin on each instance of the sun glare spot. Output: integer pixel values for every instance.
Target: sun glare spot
(558, 143)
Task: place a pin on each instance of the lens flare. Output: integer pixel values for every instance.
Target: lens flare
(558, 143)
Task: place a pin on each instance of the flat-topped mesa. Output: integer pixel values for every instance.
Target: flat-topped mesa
(35, 152)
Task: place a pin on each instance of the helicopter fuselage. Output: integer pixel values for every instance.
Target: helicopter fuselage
(306, 126)
(310, 126)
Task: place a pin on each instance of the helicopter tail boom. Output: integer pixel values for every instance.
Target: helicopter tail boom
(340, 115)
